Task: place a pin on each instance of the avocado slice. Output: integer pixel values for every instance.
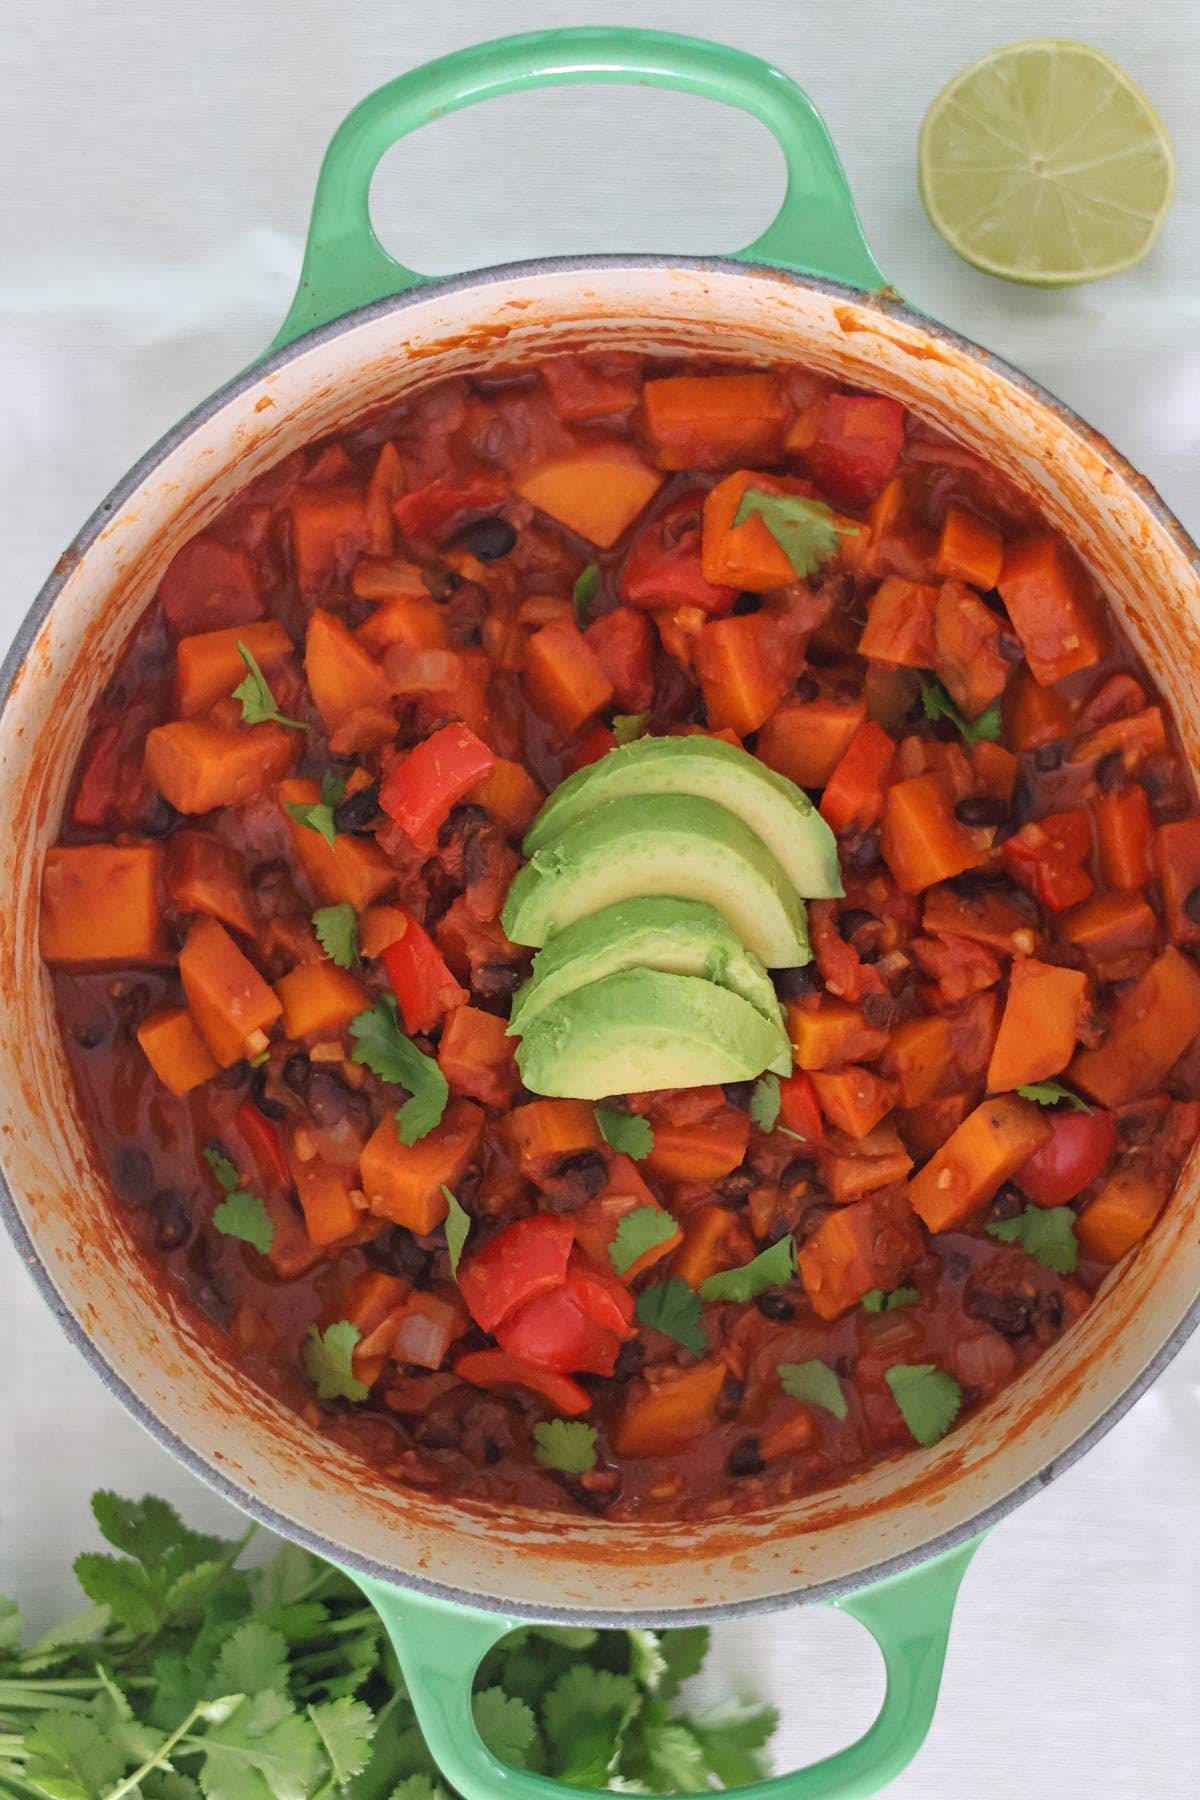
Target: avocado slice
(677, 937)
(641, 1030)
(781, 813)
(672, 844)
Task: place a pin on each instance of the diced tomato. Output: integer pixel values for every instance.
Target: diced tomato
(624, 643)
(420, 791)
(428, 510)
(591, 747)
(577, 1328)
(495, 1369)
(1047, 857)
(800, 1110)
(208, 586)
(663, 567)
(592, 387)
(528, 1258)
(1079, 1147)
(423, 985)
(858, 446)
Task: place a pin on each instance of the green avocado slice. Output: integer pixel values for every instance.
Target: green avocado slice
(642, 1030)
(677, 937)
(674, 844)
(779, 812)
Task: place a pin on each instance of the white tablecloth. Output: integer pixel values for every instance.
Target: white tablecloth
(159, 163)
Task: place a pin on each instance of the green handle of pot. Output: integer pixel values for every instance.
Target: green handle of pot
(816, 231)
(440, 1647)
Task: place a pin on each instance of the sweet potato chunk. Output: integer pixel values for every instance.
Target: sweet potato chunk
(702, 421)
(175, 1050)
(1151, 1028)
(871, 1243)
(198, 766)
(351, 869)
(597, 493)
(661, 1418)
(204, 874)
(1122, 1212)
(209, 665)
(403, 1182)
(342, 674)
(1040, 1024)
(100, 904)
(988, 1147)
(835, 1032)
(1053, 607)
(229, 999)
(319, 997)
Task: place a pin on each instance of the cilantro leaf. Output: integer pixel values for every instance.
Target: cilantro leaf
(638, 1232)
(667, 1755)
(328, 1358)
(585, 1716)
(673, 1308)
(683, 1652)
(458, 1228)
(625, 1132)
(265, 1736)
(566, 1444)
(345, 1728)
(241, 1214)
(259, 705)
(764, 1102)
(253, 1658)
(939, 705)
(1049, 1093)
(130, 1595)
(816, 1383)
(877, 1301)
(770, 1268)
(505, 1724)
(587, 586)
(383, 1047)
(337, 933)
(70, 1757)
(928, 1398)
(804, 529)
(627, 726)
(318, 814)
(418, 1787)
(1047, 1233)
(731, 1735)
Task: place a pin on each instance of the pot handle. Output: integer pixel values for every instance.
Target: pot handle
(440, 1646)
(816, 231)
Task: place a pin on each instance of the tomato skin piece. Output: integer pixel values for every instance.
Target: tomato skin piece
(493, 1368)
(528, 1258)
(1080, 1145)
(568, 1330)
(800, 1110)
(425, 989)
(663, 568)
(264, 1143)
(419, 792)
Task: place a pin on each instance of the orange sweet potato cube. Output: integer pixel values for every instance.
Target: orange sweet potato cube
(100, 904)
(990, 1145)
(663, 1417)
(175, 1050)
(597, 493)
(351, 869)
(319, 997)
(228, 997)
(209, 665)
(342, 674)
(198, 766)
(403, 1182)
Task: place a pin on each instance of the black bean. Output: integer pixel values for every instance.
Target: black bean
(981, 810)
(327, 1096)
(496, 979)
(746, 1458)
(745, 604)
(461, 822)
(357, 812)
(213, 1302)
(269, 1108)
(1191, 906)
(738, 1184)
(738, 1093)
(398, 1251)
(630, 1358)
(852, 919)
(1009, 1314)
(800, 1168)
(1008, 1203)
(576, 1180)
(776, 1307)
(796, 984)
(296, 1071)
(806, 688)
(133, 1174)
(733, 1392)
(1048, 758)
(1010, 649)
(492, 1453)
(92, 1033)
(865, 852)
(441, 580)
(1110, 773)
(157, 817)
(1050, 1310)
(879, 1010)
(173, 1218)
(488, 539)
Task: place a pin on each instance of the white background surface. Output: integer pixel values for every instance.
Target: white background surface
(158, 166)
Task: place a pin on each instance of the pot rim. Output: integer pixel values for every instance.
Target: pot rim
(888, 304)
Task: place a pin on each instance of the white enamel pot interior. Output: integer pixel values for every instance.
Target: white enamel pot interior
(161, 1364)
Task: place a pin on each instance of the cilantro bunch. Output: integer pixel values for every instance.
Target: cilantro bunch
(188, 1677)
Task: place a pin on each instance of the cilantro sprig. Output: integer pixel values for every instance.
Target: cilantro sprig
(337, 933)
(625, 1132)
(638, 1232)
(770, 1268)
(804, 529)
(929, 1399)
(939, 705)
(565, 1444)
(458, 1228)
(318, 814)
(627, 726)
(1050, 1093)
(673, 1308)
(1047, 1233)
(876, 1300)
(329, 1361)
(587, 586)
(188, 1673)
(765, 1102)
(241, 1214)
(259, 705)
(383, 1047)
(815, 1383)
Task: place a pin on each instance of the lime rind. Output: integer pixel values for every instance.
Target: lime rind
(1043, 163)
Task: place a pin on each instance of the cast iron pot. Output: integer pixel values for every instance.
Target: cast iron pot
(889, 1545)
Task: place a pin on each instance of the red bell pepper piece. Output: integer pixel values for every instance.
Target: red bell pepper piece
(577, 1328)
(663, 568)
(1047, 857)
(857, 447)
(493, 1369)
(528, 1258)
(800, 1110)
(598, 742)
(423, 985)
(419, 792)
(208, 586)
(263, 1141)
(854, 792)
(427, 509)
(1078, 1148)
(624, 643)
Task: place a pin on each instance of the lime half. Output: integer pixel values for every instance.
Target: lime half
(1045, 164)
